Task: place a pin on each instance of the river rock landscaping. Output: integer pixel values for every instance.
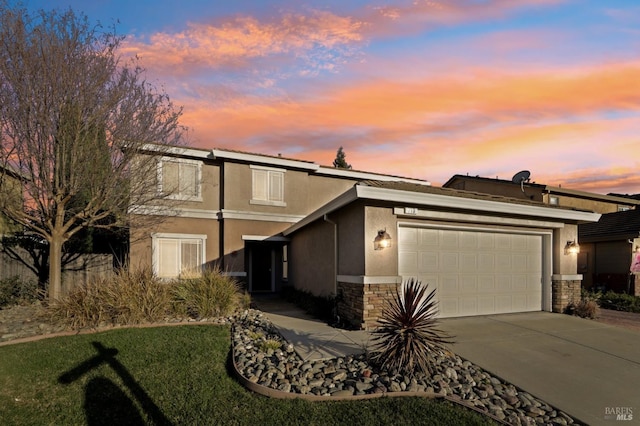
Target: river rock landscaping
(263, 357)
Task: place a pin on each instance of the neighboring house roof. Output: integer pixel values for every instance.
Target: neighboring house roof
(612, 226)
(279, 161)
(632, 196)
(453, 178)
(405, 193)
(612, 198)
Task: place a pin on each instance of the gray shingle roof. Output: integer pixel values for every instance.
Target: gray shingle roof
(405, 186)
(618, 225)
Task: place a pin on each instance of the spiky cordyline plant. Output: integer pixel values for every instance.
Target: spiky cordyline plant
(407, 339)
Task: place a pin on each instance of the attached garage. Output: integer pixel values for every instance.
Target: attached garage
(474, 272)
(483, 254)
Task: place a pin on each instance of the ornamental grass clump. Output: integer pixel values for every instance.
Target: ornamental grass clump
(127, 297)
(407, 340)
(211, 294)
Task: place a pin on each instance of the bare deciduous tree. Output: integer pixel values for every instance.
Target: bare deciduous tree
(73, 114)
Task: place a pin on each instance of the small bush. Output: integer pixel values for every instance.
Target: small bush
(407, 340)
(209, 295)
(620, 302)
(14, 291)
(585, 308)
(322, 307)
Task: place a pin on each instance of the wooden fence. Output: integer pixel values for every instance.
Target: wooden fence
(78, 272)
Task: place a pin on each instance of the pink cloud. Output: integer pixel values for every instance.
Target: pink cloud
(231, 44)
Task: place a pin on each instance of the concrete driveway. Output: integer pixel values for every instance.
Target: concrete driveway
(585, 368)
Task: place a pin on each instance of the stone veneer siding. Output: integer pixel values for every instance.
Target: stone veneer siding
(564, 292)
(360, 305)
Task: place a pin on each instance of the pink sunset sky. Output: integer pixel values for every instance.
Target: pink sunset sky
(423, 89)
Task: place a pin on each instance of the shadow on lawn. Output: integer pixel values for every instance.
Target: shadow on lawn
(105, 402)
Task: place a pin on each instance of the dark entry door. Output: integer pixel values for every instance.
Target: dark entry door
(261, 267)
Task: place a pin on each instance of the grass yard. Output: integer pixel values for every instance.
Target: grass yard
(171, 375)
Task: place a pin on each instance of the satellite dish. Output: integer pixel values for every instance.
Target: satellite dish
(521, 177)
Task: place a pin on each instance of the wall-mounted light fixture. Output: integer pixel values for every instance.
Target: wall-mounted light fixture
(382, 240)
(572, 247)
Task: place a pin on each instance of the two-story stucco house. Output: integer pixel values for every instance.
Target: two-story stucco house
(274, 221)
(228, 210)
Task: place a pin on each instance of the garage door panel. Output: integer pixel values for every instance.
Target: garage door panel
(468, 262)
(519, 261)
(428, 261)
(448, 284)
(449, 262)
(486, 262)
(448, 239)
(408, 261)
(428, 238)
(475, 272)
(486, 283)
(469, 283)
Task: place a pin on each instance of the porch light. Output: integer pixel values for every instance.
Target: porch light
(382, 240)
(572, 247)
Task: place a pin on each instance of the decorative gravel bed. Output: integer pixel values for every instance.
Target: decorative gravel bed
(264, 358)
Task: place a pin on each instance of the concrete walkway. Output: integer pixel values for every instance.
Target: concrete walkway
(312, 339)
(588, 369)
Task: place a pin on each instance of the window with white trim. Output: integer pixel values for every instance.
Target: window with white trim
(267, 186)
(553, 200)
(180, 179)
(178, 254)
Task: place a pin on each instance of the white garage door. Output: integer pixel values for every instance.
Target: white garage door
(474, 272)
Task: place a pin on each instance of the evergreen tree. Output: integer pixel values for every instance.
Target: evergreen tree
(341, 162)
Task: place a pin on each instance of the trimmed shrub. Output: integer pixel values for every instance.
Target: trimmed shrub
(322, 307)
(14, 291)
(620, 302)
(209, 295)
(407, 340)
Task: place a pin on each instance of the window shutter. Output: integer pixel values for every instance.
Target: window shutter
(260, 185)
(189, 180)
(276, 186)
(170, 177)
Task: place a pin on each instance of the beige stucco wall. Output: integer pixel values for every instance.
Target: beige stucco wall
(238, 190)
(303, 193)
(351, 239)
(312, 259)
(584, 204)
(380, 262)
(322, 189)
(140, 254)
(564, 264)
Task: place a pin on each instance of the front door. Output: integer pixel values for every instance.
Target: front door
(262, 268)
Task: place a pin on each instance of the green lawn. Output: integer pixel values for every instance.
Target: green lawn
(171, 375)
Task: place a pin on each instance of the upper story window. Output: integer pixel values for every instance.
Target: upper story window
(623, 208)
(180, 179)
(553, 200)
(267, 186)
